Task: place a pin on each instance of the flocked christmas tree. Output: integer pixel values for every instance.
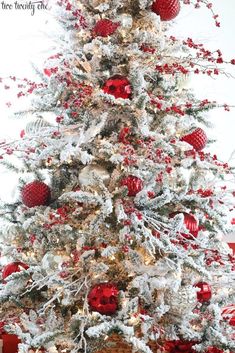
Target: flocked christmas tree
(114, 242)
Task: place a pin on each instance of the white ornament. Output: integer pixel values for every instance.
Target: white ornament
(52, 262)
(182, 301)
(36, 126)
(89, 174)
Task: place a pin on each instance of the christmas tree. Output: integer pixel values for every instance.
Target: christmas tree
(114, 242)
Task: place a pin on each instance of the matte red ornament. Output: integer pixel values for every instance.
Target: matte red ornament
(36, 193)
(105, 28)
(166, 9)
(13, 267)
(214, 350)
(133, 183)
(197, 139)
(179, 346)
(205, 293)
(9, 343)
(103, 298)
(190, 222)
(118, 86)
(228, 313)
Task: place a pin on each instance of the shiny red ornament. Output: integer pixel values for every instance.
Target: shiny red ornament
(228, 313)
(13, 267)
(166, 9)
(105, 28)
(179, 346)
(197, 139)
(190, 222)
(205, 293)
(36, 193)
(118, 86)
(133, 184)
(103, 298)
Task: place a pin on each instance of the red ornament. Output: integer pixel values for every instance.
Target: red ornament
(133, 183)
(214, 350)
(178, 346)
(13, 267)
(166, 9)
(124, 135)
(197, 139)
(103, 298)
(9, 343)
(36, 193)
(228, 313)
(105, 28)
(118, 86)
(205, 292)
(190, 222)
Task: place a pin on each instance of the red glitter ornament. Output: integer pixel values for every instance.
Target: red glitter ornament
(228, 313)
(190, 222)
(133, 183)
(197, 139)
(13, 267)
(166, 9)
(36, 193)
(105, 28)
(179, 346)
(205, 292)
(103, 298)
(118, 86)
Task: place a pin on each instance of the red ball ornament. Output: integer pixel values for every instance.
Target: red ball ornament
(9, 343)
(103, 298)
(105, 28)
(179, 346)
(228, 313)
(214, 350)
(36, 193)
(197, 139)
(118, 86)
(13, 267)
(205, 293)
(190, 222)
(166, 9)
(133, 183)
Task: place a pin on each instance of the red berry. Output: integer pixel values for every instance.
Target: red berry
(197, 139)
(36, 193)
(105, 28)
(133, 183)
(13, 267)
(166, 9)
(118, 86)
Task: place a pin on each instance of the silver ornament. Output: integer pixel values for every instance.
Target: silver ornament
(36, 126)
(181, 302)
(91, 173)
